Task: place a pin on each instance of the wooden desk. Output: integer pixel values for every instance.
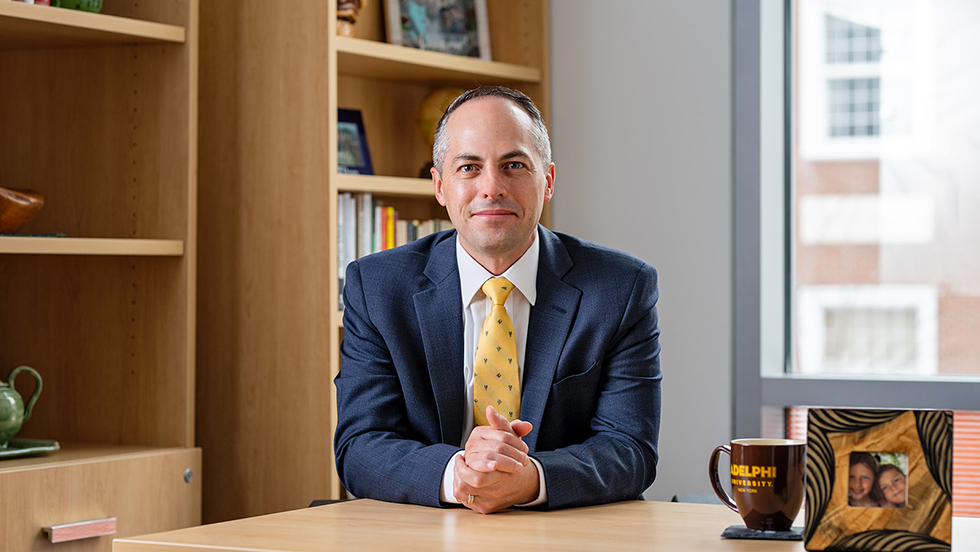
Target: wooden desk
(371, 525)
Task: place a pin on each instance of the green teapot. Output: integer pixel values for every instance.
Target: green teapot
(13, 413)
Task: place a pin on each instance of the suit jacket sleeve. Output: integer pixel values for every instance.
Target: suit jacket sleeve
(384, 450)
(599, 436)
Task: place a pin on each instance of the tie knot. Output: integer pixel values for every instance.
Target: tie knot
(497, 289)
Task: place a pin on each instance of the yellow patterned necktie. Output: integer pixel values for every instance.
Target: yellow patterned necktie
(496, 379)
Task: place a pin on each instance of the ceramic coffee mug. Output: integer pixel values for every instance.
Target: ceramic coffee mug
(768, 481)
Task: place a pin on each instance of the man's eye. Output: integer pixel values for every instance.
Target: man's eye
(467, 168)
(514, 165)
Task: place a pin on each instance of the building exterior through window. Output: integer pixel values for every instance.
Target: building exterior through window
(885, 191)
(884, 200)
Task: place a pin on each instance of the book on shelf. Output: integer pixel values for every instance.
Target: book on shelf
(365, 220)
(390, 217)
(366, 225)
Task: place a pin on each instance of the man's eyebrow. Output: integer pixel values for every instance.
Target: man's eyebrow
(515, 153)
(470, 157)
(466, 157)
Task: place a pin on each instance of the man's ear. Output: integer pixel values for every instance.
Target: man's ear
(437, 186)
(549, 179)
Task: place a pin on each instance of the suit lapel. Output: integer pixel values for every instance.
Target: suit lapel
(439, 309)
(548, 327)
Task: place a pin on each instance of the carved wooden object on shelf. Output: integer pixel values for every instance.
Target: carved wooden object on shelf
(347, 11)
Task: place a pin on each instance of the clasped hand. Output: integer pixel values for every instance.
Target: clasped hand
(495, 468)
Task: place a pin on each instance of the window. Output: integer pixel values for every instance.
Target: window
(882, 330)
(849, 42)
(853, 107)
(853, 104)
(878, 253)
(857, 215)
(859, 80)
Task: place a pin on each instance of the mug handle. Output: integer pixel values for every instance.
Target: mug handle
(716, 481)
(37, 390)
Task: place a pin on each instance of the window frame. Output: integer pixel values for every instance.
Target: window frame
(761, 242)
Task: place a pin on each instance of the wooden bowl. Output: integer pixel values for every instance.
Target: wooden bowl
(17, 207)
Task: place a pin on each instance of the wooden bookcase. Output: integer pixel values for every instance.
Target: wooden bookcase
(272, 79)
(99, 113)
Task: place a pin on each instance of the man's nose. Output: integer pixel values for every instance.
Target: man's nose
(493, 185)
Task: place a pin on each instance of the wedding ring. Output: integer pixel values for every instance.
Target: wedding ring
(469, 500)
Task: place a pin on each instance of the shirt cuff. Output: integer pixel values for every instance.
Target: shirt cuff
(446, 488)
(543, 494)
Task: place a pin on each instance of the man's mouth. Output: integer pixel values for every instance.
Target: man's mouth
(494, 213)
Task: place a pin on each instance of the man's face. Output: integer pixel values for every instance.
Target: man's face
(493, 183)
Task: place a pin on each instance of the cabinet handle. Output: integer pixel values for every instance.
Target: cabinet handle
(81, 530)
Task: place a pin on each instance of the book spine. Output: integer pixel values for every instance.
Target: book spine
(376, 231)
(358, 219)
(365, 224)
(351, 231)
(389, 227)
(401, 232)
(341, 245)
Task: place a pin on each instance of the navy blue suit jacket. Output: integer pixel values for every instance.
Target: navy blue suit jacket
(591, 377)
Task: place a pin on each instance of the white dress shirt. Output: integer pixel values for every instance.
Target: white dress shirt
(523, 275)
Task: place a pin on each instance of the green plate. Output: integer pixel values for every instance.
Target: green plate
(27, 447)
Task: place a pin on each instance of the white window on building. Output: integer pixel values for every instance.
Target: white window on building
(853, 107)
(885, 330)
(861, 77)
(875, 335)
(853, 103)
(850, 42)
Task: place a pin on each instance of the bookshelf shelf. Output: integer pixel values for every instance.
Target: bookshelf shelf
(368, 58)
(386, 185)
(77, 453)
(89, 246)
(24, 26)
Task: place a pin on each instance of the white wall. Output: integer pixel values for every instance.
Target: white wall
(641, 128)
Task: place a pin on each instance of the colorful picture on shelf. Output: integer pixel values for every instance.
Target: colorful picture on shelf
(353, 156)
(457, 27)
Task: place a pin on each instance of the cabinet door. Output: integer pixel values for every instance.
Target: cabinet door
(146, 493)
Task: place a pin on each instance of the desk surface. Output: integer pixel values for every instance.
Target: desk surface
(371, 525)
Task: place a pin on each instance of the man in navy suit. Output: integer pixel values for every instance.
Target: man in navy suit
(586, 330)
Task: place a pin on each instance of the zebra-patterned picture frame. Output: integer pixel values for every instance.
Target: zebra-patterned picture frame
(879, 480)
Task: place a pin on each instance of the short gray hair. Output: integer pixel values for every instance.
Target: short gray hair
(539, 130)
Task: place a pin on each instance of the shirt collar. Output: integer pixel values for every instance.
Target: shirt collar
(523, 273)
